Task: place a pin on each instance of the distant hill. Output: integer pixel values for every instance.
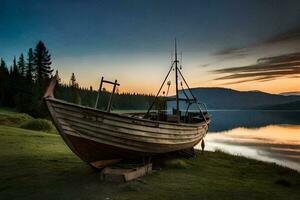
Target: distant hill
(223, 98)
(295, 105)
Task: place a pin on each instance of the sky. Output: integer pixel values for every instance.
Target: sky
(243, 45)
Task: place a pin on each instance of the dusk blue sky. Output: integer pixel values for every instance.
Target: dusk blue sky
(131, 40)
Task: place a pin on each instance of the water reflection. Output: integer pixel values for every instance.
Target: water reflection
(272, 143)
(229, 119)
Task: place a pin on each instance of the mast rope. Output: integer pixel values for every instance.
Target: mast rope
(193, 96)
(150, 108)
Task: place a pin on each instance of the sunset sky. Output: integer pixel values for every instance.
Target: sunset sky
(244, 45)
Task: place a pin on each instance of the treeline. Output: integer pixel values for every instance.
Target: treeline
(88, 96)
(23, 83)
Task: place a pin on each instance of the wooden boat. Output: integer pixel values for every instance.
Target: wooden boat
(101, 138)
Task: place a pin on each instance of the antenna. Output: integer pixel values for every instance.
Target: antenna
(181, 57)
(180, 60)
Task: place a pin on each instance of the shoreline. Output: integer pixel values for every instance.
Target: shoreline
(254, 159)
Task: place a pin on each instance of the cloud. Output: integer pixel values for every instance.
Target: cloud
(259, 79)
(291, 35)
(205, 65)
(286, 63)
(266, 68)
(233, 52)
(227, 51)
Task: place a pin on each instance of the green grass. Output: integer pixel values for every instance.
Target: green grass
(38, 125)
(38, 165)
(13, 119)
(9, 117)
(176, 164)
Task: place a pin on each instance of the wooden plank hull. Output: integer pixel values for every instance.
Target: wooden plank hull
(102, 137)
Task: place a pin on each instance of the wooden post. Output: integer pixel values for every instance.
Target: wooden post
(100, 88)
(202, 146)
(111, 95)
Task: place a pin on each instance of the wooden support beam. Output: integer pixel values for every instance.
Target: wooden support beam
(100, 88)
(113, 83)
(111, 96)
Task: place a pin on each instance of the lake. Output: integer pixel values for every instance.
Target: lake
(272, 136)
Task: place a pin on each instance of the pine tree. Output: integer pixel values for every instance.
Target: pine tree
(42, 74)
(73, 80)
(42, 63)
(14, 69)
(30, 65)
(28, 95)
(3, 82)
(75, 98)
(57, 77)
(14, 83)
(3, 65)
(3, 69)
(22, 65)
(22, 95)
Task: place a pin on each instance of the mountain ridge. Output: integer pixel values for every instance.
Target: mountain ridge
(226, 98)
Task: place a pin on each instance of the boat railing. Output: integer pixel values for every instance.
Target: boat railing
(203, 107)
(166, 115)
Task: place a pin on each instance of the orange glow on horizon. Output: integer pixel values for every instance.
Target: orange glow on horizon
(276, 86)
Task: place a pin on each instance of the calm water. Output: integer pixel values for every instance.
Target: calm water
(272, 136)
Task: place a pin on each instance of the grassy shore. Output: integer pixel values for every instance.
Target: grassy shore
(38, 165)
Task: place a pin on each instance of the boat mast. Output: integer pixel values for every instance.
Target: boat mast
(176, 61)
(176, 82)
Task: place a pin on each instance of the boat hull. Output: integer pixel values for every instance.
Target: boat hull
(101, 138)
